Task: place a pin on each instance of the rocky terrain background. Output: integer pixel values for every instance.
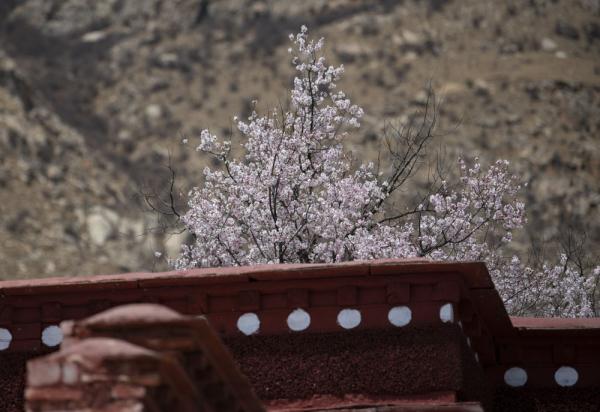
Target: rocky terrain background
(96, 95)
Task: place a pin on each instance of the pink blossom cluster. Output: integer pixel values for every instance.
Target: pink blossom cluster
(295, 196)
(452, 221)
(557, 289)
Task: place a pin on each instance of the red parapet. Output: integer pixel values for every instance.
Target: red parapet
(286, 302)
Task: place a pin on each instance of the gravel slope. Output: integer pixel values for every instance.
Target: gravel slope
(95, 96)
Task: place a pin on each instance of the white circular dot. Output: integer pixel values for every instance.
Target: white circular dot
(52, 335)
(515, 377)
(298, 320)
(248, 323)
(349, 318)
(447, 313)
(400, 316)
(566, 376)
(5, 338)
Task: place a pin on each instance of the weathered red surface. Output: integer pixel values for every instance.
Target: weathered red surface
(273, 291)
(12, 380)
(371, 366)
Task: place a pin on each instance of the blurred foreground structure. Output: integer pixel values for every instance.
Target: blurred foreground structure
(370, 336)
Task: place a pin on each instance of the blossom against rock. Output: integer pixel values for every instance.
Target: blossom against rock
(297, 197)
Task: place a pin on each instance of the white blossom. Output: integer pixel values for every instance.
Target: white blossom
(295, 197)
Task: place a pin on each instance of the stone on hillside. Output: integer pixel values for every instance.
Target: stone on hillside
(154, 111)
(101, 225)
(54, 172)
(411, 38)
(93, 36)
(173, 243)
(548, 44)
(483, 88)
(453, 88)
(421, 98)
(560, 54)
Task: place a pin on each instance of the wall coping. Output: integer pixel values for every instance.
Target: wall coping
(475, 273)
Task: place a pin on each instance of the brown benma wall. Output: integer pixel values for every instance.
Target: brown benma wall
(428, 361)
(461, 358)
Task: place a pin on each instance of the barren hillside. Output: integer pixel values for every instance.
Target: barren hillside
(95, 96)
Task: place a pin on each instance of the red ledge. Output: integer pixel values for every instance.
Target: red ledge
(554, 323)
(474, 272)
(354, 401)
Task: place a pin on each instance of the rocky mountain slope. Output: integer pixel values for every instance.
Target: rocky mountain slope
(95, 96)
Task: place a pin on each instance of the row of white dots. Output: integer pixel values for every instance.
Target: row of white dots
(299, 319)
(564, 376)
(51, 336)
(249, 323)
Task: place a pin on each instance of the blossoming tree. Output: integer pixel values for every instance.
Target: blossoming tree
(298, 196)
